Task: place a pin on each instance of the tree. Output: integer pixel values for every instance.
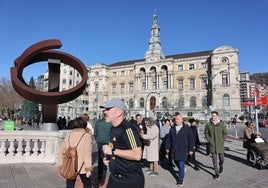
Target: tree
(10, 100)
(260, 78)
(30, 110)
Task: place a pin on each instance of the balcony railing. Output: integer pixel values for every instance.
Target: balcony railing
(30, 146)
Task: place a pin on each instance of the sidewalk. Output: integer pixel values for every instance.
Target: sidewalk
(236, 173)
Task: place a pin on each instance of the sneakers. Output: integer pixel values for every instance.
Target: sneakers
(196, 168)
(221, 170)
(148, 171)
(187, 163)
(153, 173)
(180, 183)
(216, 177)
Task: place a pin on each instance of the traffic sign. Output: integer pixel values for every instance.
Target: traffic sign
(248, 103)
(262, 101)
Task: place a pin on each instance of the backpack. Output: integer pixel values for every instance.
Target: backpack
(69, 167)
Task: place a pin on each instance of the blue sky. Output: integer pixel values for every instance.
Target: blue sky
(108, 31)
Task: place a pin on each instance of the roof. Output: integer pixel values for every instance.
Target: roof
(176, 56)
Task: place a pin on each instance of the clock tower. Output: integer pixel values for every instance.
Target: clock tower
(154, 53)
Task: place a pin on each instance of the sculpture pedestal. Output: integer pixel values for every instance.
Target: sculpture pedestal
(49, 127)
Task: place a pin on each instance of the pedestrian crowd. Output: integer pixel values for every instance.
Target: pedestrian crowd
(125, 147)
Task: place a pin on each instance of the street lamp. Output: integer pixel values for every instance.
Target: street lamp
(153, 92)
(211, 88)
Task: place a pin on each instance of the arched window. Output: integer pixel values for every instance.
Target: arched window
(204, 101)
(164, 74)
(226, 100)
(164, 102)
(153, 77)
(181, 102)
(142, 102)
(192, 102)
(143, 78)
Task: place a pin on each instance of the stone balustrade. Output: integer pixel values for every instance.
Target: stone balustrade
(30, 146)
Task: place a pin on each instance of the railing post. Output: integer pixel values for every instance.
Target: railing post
(11, 148)
(28, 147)
(35, 147)
(3, 147)
(43, 147)
(19, 148)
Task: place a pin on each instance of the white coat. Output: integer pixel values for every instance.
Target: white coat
(151, 152)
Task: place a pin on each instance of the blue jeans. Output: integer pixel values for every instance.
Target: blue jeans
(181, 167)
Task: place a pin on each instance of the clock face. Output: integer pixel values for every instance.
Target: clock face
(225, 60)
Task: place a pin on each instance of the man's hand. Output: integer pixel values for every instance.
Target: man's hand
(107, 150)
(106, 161)
(88, 174)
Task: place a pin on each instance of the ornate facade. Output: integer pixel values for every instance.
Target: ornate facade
(191, 83)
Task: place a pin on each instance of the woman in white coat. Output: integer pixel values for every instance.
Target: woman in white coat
(150, 153)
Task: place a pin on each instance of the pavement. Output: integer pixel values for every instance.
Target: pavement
(237, 173)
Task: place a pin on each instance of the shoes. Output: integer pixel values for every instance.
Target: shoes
(216, 177)
(196, 168)
(187, 163)
(153, 173)
(180, 183)
(221, 170)
(148, 171)
(171, 164)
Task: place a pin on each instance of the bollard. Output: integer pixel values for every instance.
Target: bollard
(236, 136)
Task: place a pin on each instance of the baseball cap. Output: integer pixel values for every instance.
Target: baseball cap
(115, 103)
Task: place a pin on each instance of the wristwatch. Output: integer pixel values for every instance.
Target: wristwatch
(113, 151)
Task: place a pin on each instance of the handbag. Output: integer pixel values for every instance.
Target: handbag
(146, 142)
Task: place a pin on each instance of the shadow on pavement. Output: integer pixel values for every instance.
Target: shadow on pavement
(235, 158)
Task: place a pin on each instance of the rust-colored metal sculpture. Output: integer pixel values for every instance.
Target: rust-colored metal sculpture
(41, 51)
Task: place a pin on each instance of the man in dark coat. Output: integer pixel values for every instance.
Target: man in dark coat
(180, 142)
(216, 133)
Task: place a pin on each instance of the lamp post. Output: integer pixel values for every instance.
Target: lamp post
(211, 88)
(153, 92)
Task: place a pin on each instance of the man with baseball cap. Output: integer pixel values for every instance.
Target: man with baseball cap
(123, 153)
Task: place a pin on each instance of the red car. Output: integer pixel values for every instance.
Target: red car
(263, 123)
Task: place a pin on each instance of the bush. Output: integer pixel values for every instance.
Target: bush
(241, 118)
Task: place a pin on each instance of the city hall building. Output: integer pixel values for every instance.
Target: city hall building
(192, 84)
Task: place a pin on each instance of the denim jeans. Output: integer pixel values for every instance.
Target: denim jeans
(181, 167)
